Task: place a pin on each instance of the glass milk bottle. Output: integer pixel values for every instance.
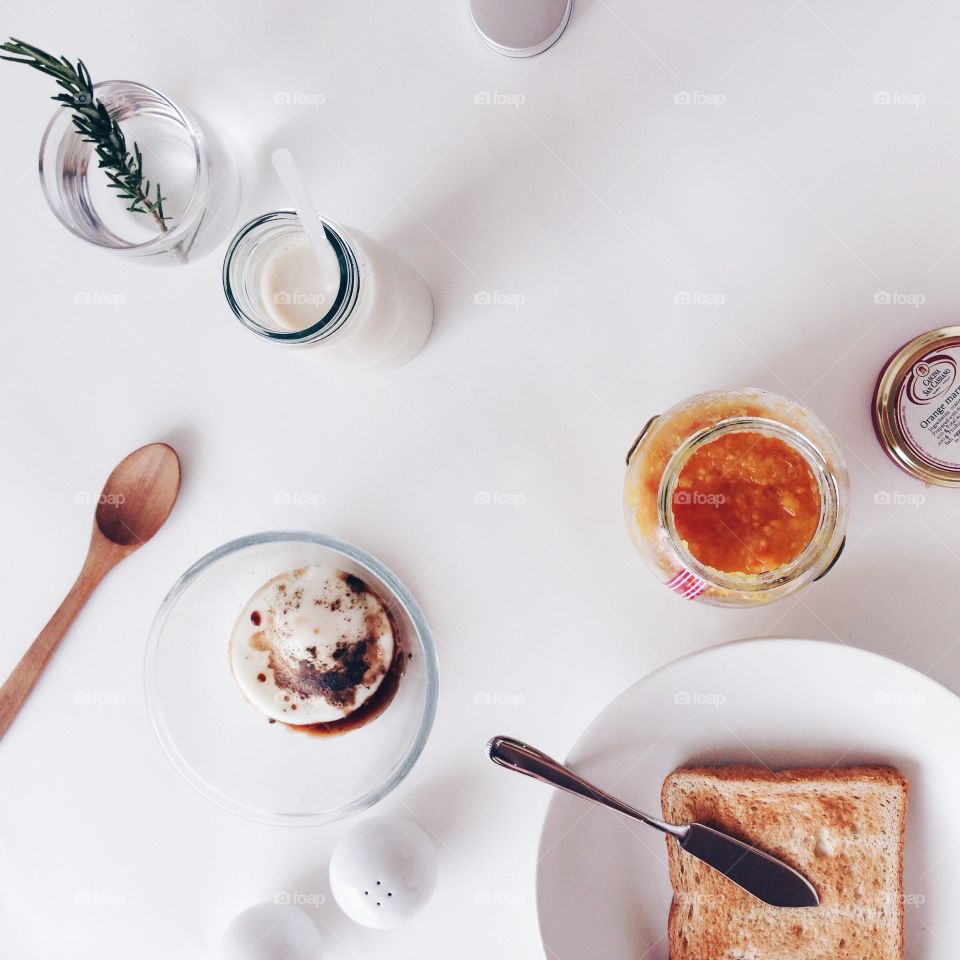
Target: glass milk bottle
(354, 297)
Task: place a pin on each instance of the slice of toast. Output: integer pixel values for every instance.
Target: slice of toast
(843, 829)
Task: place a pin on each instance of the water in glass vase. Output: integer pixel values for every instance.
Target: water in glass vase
(169, 158)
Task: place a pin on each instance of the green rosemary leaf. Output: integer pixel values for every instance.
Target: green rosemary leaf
(92, 120)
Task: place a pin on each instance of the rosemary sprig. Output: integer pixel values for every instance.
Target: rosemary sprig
(93, 121)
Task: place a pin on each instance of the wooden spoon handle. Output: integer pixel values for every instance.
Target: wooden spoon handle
(26, 673)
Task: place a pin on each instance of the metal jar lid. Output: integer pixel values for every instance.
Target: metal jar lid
(520, 28)
(916, 407)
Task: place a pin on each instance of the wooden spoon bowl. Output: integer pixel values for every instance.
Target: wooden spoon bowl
(138, 495)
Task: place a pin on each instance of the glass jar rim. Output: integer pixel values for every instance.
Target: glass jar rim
(347, 293)
(164, 238)
(811, 555)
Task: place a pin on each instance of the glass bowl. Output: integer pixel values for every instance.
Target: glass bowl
(226, 748)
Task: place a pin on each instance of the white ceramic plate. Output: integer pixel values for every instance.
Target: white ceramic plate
(602, 886)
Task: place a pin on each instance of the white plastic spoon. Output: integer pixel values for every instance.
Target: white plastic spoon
(293, 183)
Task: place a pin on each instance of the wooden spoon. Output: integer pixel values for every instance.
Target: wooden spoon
(136, 500)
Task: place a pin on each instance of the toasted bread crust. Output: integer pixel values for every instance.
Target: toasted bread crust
(842, 828)
(879, 773)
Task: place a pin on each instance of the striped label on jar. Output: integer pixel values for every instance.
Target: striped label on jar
(686, 585)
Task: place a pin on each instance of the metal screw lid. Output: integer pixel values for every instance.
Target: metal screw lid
(916, 407)
(520, 28)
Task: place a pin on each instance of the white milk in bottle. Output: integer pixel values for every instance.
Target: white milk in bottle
(354, 296)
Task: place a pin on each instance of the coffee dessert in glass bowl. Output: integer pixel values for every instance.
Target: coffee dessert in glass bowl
(316, 648)
(345, 654)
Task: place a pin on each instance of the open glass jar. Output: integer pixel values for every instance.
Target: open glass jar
(194, 166)
(736, 498)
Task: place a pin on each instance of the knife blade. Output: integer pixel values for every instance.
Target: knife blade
(760, 874)
(763, 876)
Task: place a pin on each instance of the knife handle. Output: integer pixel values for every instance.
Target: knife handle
(522, 758)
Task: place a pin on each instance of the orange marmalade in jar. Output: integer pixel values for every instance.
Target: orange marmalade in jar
(736, 498)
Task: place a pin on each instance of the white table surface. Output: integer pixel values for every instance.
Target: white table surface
(781, 200)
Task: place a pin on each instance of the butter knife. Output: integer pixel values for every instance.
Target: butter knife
(764, 877)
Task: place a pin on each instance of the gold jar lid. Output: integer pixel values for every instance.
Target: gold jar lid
(916, 407)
